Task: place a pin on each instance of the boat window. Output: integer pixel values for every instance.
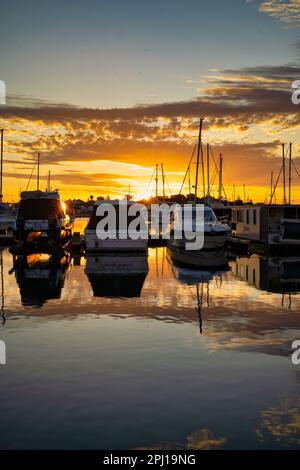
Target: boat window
(254, 216)
(247, 216)
(209, 215)
(240, 217)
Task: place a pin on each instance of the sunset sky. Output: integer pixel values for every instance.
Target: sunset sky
(105, 90)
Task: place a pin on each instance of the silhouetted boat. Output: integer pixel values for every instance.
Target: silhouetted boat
(42, 216)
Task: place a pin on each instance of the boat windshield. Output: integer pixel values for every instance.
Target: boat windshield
(40, 208)
(209, 215)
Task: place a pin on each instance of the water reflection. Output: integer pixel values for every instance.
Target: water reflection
(40, 277)
(207, 265)
(117, 358)
(117, 275)
(271, 274)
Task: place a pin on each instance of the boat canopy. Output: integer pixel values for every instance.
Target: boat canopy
(40, 209)
(39, 194)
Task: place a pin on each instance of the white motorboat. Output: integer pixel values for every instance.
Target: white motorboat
(117, 240)
(215, 232)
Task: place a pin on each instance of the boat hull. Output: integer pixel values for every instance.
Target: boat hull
(95, 244)
(212, 241)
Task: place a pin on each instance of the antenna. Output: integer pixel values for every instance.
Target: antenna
(156, 181)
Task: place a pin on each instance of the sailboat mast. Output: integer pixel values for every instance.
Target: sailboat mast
(208, 175)
(290, 173)
(202, 168)
(271, 187)
(38, 172)
(198, 158)
(220, 176)
(1, 166)
(156, 180)
(163, 179)
(283, 173)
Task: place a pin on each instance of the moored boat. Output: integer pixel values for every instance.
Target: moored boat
(114, 240)
(42, 216)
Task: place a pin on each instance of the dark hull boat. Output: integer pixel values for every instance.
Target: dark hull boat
(42, 217)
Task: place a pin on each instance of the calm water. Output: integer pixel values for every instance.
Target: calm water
(193, 359)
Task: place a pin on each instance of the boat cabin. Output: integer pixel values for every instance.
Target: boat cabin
(269, 224)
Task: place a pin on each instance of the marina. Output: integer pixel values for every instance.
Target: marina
(151, 346)
(149, 233)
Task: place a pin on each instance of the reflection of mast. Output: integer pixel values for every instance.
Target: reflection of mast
(2, 289)
(163, 261)
(289, 300)
(199, 305)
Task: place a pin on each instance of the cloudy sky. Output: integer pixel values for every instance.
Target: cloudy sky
(105, 90)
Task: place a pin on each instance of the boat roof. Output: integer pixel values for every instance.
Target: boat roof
(279, 206)
(39, 194)
(114, 202)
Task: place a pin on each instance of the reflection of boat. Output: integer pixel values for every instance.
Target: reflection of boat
(272, 274)
(42, 216)
(215, 232)
(200, 259)
(117, 275)
(209, 265)
(116, 239)
(7, 223)
(40, 277)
